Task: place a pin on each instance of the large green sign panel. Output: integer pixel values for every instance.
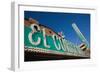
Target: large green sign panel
(38, 39)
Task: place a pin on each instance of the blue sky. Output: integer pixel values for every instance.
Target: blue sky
(63, 22)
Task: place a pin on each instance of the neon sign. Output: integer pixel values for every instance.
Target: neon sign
(35, 37)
